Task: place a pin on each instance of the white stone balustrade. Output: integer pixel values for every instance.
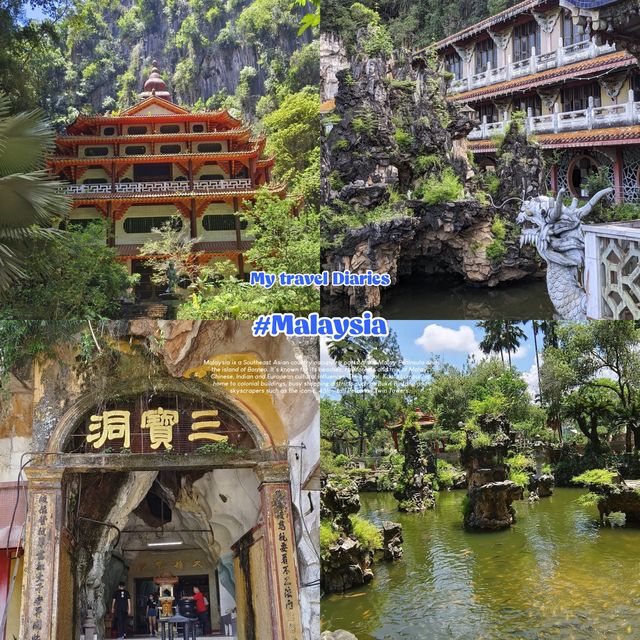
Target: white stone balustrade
(534, 64)
(612, 270)
(615, 115)
(159, 187)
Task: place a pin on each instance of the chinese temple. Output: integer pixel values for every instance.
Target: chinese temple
(165, 477)
(580, 92)
(138, 168)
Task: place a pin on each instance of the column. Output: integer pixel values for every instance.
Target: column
(618, 178)
(280, 550)
(43, 614)
(554, 178)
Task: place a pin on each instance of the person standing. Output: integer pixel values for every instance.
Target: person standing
(201, 609)
(152, 614)
(121, 608)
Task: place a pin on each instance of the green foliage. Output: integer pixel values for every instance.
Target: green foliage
(328, 537)
(447, 188)
(466, 506)
(425, 163)
(446, 474)
(521, 478)
(589, 499)
(404, 139)
(367, 534)
(596, 479)
(365, 123)
(220, 448)
(72, 276)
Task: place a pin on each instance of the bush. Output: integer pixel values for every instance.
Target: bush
(341, 460)
(466, 506)
(521, 478)
(448, 188)
(404, 139)
(327, 537)
(366, 533)
(447, 474)
(596, 479)
(426, 163)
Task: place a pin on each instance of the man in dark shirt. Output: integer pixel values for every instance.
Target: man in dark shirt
(121, 608)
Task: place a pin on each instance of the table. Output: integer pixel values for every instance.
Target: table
(188, 627)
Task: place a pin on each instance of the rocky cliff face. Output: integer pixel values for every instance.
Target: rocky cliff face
(437, 239)
(390, 141)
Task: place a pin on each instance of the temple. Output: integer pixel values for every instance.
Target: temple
(579, 93)
(138, 168)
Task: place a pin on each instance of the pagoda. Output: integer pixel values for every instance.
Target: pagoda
(138, 168)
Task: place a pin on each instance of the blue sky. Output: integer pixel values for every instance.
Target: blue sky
(452, 341)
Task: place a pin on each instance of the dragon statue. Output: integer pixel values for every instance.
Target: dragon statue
(556, 231)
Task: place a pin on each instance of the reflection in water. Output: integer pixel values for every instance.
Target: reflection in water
(448, 299)
(555, 574)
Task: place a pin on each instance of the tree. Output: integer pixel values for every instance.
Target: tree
(73, 276)
(589, 407)
(371, 365)
(601, 354)
(501, 335)
(30, 199)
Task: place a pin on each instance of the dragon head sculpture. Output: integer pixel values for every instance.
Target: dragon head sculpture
(556, 229)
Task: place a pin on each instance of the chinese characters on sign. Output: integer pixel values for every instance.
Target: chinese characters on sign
(157, 424)
(286, 570)
(41, 554)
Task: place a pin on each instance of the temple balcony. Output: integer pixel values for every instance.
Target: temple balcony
(612, 270)
(615, 115)
(563, 55)
(166, 187)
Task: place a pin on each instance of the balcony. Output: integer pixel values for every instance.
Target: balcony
(535, 64)
(615, 115)
(167, 187)
(612, 270)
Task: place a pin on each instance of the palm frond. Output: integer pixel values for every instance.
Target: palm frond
(24, 140)
(31, 198)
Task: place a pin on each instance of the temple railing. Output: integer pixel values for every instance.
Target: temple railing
(593, 117)
(159, 187)
(533, 64)
(612, 270)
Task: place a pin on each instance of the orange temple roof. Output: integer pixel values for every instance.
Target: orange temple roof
(242, 133)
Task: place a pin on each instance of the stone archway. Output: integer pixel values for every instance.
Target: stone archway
(65, 572)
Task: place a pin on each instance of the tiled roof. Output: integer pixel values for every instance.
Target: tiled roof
(585, 138)
(503, 16)
(619, 59)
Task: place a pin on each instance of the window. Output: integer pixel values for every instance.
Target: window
(136, 131)
(210, 146)
(212, 176)
(580, 169)
(453, 64)
(96, 151)
(526, 38)
(197, 128)
(488, 110)
(170, 148)
(486, 55)
(635, 85)
(109, 131)
(169, 128)
(137, 150)
(225, 222)
(531, 102)
(570, 33)
(577, 98)
(144, 225)
(95, 181)
(180, 179)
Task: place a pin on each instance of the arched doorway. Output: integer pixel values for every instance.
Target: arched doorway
(579, 171)
(178, 478)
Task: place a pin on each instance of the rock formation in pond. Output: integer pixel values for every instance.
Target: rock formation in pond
(490, 494)
(392, 138)
(392, 540)
(346, 566)
(415, 489)
(490, 505)
(340, 499)
(543, 485)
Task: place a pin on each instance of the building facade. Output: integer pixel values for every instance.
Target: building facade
(185, 470)
(581, 95)
(138, 168)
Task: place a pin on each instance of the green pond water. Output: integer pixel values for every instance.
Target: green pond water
(555, 574)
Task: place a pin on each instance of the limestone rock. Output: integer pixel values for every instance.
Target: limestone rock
(346, 566)
(490, 505)
(340, 634)
(339, 501)
(391, 540)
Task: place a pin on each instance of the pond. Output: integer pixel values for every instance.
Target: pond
(555, 574)
(450, 299)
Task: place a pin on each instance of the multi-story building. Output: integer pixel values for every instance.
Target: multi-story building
(580, 94)
(138, 168)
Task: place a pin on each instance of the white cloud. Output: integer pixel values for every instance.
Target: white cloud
(531, 378)
(438, 339)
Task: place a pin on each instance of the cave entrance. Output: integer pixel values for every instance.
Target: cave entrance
(143, 502)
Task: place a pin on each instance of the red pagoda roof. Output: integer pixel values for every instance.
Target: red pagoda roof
(241, 133)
